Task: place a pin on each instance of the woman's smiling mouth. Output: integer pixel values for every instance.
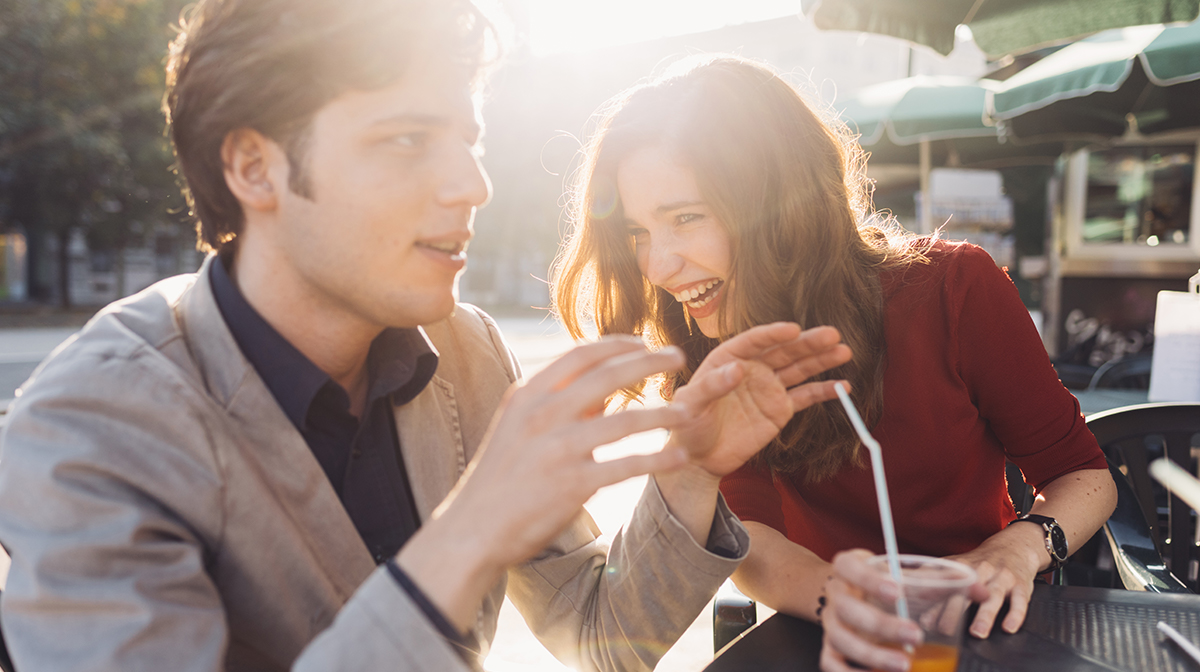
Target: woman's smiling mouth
(701, 295)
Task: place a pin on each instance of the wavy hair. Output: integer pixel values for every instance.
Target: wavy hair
(790, 189)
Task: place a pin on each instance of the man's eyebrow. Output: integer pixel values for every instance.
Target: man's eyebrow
(436, 120)
(668, 207)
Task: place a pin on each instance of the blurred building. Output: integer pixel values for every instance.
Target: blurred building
(538, 108)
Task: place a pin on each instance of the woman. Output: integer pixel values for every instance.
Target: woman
(714, 199)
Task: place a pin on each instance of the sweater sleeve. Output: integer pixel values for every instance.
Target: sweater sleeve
(751, 495)
(1009, 376)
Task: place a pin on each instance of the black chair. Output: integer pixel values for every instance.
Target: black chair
(1131, 438)
(1127, 373)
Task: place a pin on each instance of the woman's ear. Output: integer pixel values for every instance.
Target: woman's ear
(249, 158)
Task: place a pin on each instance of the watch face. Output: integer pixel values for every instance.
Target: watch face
(1058, 539)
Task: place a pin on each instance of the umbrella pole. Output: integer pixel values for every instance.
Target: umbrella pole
(925, 225)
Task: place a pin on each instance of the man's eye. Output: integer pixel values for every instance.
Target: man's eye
(415, 140)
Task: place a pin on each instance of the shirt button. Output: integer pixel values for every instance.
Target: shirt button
(357, 452)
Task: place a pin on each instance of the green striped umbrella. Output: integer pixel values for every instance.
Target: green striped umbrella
(1141, 78)
(999, 26)
(906, 111)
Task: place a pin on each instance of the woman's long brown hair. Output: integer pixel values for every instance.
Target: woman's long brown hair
(791, 191)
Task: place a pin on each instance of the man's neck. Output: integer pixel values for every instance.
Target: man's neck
(335, 340)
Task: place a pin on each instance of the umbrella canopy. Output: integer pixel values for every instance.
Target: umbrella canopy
(1144, 77)
(920, 108)
(893, 118)
(999, 26)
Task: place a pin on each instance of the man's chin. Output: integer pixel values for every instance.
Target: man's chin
(428, 311)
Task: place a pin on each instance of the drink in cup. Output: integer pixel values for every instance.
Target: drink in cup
(935, 591)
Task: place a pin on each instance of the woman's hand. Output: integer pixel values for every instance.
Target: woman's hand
(749, 387)
(856, 630)
(1007, 564)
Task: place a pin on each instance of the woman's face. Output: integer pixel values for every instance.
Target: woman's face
(681, 245)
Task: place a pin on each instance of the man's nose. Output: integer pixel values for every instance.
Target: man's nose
(465, 182)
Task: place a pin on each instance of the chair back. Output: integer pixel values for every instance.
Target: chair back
(1131, 437)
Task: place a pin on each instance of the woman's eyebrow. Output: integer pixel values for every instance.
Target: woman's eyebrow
(668, 207)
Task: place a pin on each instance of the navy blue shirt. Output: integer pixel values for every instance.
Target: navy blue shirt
(360, 456)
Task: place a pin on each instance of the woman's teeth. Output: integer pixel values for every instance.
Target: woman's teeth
(692, 297)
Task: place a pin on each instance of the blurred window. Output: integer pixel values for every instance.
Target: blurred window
(1139, 195)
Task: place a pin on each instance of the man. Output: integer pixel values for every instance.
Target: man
(290, 459)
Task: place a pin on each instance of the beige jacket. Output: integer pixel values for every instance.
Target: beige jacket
(162, 513)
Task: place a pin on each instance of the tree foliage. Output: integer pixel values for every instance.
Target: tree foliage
(81, 131)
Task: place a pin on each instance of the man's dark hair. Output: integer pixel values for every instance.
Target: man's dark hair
(270, 65)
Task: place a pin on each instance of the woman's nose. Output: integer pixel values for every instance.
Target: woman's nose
(660, 262)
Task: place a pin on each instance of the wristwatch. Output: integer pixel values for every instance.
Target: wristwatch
(1056, 539)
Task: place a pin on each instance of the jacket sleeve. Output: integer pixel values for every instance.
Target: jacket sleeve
(111, 510)
(597, 607)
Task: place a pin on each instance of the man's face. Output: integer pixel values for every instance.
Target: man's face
(394, 179)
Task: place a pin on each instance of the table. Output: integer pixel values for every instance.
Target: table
(1068, 629)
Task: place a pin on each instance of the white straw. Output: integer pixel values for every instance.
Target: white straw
(1176, 479)
(885, 507)
(1183, 643)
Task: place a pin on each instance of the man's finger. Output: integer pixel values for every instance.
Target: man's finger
(602, 474)
(582, 358)
(586, 436)
(592, 386)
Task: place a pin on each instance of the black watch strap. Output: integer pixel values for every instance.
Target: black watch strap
(1055, 538)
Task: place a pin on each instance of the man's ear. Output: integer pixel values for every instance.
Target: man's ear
(251, 169)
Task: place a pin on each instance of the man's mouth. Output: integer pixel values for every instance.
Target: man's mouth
(700, 295)
(456, 249)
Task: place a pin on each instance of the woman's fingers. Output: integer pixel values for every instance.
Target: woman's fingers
(756, 341)
(809, 343)
(709, 386)
(999, 584)
(810, 394)
(851, 626)
(802, 369)
(1018, 605)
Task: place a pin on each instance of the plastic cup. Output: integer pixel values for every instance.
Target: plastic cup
(936, 592)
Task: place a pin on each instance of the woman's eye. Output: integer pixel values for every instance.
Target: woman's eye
(639, 235)
(687, 217)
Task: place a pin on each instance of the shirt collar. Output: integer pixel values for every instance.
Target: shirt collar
(401, 361)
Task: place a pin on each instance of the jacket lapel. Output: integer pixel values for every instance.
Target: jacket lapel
(266, 438)
(431, 443)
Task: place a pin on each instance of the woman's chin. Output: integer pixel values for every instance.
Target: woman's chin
(708, 326)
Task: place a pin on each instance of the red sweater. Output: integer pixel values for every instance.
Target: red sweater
(967, 384)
